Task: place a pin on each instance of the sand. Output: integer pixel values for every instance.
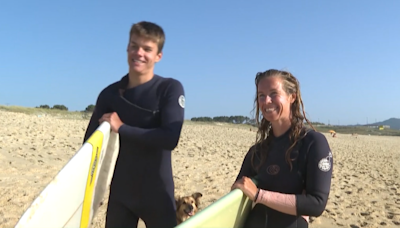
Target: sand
(365, 188)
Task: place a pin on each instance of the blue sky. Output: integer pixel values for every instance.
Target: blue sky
(346, 54)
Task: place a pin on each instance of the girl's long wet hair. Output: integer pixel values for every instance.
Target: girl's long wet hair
(264, 137)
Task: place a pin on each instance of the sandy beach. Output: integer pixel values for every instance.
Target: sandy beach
(365, 189)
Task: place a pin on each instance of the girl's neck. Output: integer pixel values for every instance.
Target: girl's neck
(280, 127)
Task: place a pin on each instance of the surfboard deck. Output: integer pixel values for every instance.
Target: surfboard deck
(72, 198)
(230, 211)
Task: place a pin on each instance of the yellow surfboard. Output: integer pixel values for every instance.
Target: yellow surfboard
(72, 198)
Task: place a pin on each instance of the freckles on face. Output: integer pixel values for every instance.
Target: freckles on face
(272, 99)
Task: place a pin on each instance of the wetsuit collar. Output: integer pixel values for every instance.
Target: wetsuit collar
(286, 134)
(122, 84)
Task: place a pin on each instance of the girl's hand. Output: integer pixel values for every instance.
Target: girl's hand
(247, 186)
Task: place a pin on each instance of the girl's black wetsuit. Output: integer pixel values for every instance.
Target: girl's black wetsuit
(142, 185)
(312, 172)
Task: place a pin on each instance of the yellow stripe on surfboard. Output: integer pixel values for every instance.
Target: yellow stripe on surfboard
(96, 140)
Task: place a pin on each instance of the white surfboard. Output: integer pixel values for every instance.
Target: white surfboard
(72, 198)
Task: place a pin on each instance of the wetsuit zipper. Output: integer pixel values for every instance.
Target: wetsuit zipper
(144, 109)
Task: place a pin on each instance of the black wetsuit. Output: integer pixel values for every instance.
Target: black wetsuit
(312, 171)
(142, 185)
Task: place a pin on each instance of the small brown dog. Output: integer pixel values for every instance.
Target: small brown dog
(187, 206)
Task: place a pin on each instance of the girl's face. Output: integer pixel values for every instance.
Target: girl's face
(273, 101)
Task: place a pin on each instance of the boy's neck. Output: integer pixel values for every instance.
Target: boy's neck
(136, 79)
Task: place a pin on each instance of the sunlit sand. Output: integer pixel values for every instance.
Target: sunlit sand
(365, 188)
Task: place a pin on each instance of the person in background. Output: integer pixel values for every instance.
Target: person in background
(291, 163)
(147, 111)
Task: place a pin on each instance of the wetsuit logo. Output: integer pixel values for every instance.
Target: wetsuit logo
(181, 101)
(273, 169)
(325, 164)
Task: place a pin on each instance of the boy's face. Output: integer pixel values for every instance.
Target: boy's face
(142, 54)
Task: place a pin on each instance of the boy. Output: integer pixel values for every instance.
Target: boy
(147, 111)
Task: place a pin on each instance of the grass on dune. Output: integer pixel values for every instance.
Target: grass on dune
(49, 112)
(361, 130)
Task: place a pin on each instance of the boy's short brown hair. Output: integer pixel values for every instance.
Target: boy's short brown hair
(150, 31)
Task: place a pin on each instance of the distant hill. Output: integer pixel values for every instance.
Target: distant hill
(394, 123)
